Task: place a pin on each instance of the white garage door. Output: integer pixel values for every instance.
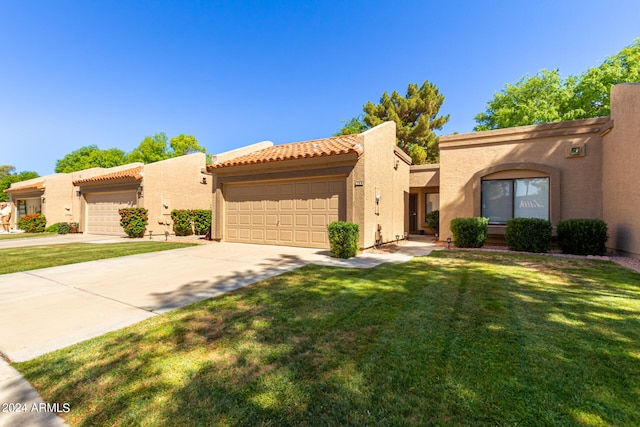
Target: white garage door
(291, 213)
(102, 211)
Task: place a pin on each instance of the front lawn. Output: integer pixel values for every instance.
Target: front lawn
(33, 257)
(25, 235)
(456, 338)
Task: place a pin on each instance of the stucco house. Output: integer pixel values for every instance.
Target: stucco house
(93, 196)
(287, 194)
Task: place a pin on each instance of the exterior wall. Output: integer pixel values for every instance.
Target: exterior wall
(385, 171)
(528, 151)
(59, 202)
(175, 183)
(621, 174)
(423, 180)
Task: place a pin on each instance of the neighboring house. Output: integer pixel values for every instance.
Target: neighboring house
(287, 194)
(92, 197)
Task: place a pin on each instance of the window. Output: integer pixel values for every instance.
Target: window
(431, 202)
(503, 199)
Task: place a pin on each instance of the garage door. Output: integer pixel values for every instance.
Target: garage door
(292, 213)
(102, 211)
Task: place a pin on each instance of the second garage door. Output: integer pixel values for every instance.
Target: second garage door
(102, 211)
(291, 213)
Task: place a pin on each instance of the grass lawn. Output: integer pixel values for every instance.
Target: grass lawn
(32, 257)
(25, 235)
(456, 338)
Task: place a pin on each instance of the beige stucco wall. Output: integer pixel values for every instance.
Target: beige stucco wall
(385, 172)
(621, 174)
(540, 150)
(175, 183)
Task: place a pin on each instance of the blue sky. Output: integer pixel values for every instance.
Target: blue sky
(232, 73)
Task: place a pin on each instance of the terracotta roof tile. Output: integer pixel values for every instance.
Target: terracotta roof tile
(133, 173)
(33, 186)
(298, 150)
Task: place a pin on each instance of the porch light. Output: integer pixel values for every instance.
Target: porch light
(140, 191)
(78, 193)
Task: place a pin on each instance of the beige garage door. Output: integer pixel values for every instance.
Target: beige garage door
(102, 211)
(292, 213)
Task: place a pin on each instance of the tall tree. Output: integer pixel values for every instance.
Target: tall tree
(546, 97)
(8, 179)
(353, 126)
(185, 144)
(6, 170)
(151, 149)
(90, 156)
(416, 117)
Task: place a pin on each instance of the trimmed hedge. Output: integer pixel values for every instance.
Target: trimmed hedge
(63, 227)
(583, 236)
(190, 221)
(529, 234)
(134, 221)
(343, 239)
(32, 223)
(469, 232)
(433, 221)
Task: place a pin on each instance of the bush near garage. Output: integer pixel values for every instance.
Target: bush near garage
(134, 221)
(583, 236)
(191, 221)
(343, 239)
(469, 232)
(53, 228)
(32, 223)
(529, 234)
(63, 228)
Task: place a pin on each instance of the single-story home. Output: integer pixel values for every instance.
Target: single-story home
(92, 197)
(287, 194)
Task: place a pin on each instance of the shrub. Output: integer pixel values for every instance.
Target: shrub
(433, 221)
(201, 221)
(529, 234)
(32, 223)
(583, 236)
(469, 232)
(63, 227)
(134, 221)
(53, 228)
(181, 222)
(343, 239)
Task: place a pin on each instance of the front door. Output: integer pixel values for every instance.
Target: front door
(413, 213)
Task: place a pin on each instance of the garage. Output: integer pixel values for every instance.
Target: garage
(290, 213)
(102, 211)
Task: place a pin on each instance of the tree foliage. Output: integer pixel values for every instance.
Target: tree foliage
(353, 126)
(10, 176)
(90, 156)
(547, 98)
(182, 145)
(151, 149)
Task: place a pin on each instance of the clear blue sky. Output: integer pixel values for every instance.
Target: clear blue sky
(232, 73)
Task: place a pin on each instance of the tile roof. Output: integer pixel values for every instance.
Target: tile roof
(298, 150)
(33, 186)
(133, 173)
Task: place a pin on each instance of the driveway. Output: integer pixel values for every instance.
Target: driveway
(52, 308)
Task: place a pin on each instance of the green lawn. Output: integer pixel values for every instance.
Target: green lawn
(33, 257)
(456, 338)
(25, 235)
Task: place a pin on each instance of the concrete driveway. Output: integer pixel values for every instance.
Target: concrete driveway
(49, 309)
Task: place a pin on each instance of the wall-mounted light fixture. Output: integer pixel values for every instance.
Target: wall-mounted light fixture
(140, 194)
(203, 180)
(397, 162)
(78, 193)
(165, 205)
(43, 199)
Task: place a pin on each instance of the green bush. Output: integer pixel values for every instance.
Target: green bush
(343, 239)
(53, 228)
(469, 232)
(181, 222)
(201, 221)
(583, 236)
(134, 221)
(433, 221)
(529, 234)
(63, 227)
(32, 223)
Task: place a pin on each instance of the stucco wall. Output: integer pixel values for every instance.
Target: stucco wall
(621, 174)
(174, 184)
(541, 150)
(386, 174)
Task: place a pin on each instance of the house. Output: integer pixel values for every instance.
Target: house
(92, 197)
(287, 194)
